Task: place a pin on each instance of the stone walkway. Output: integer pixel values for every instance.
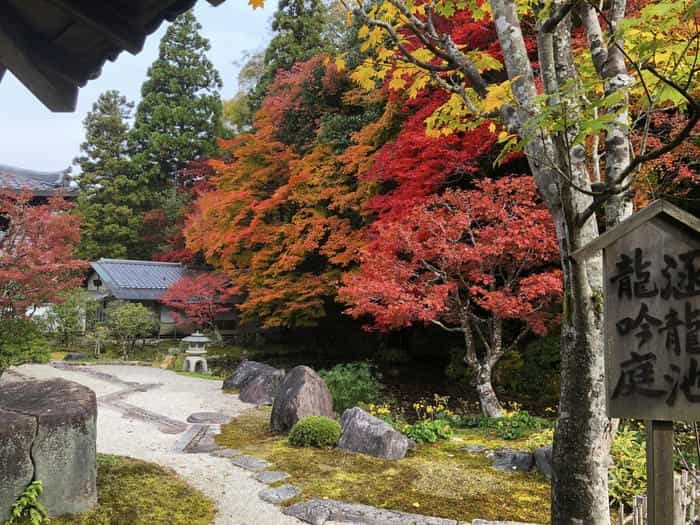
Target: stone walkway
(143, 412)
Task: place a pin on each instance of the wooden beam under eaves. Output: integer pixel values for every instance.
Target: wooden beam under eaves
(19, 54)
(44, 53)
(107, 20)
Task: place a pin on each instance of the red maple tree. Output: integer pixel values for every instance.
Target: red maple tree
(37, 243)
(465, 261)
(199, 298)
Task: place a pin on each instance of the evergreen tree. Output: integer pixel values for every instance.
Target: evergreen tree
(300, 32)
(179, 116)
(111, 194)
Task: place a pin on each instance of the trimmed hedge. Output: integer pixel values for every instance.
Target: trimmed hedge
(315, 431)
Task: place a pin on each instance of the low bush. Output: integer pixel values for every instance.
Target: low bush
(428, 431)
(351, 384)
(514, 425)
(627, 475)
(315, 431)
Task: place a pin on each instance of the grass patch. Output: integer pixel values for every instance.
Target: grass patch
(139, 493)
(199, 375)
(436, 480)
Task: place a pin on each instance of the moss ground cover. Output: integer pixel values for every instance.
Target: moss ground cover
(139, 493)
(437, 480)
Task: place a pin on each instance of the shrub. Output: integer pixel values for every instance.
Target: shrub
(315, 431)
(428, 431)
(514, 425)
(533, 373)
(627, 475)
(539, 439)
(21, 342)
(129, 322)
(350, 385)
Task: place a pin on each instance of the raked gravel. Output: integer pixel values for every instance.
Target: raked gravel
(234, 489)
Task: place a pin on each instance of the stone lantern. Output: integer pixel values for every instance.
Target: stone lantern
(196, 353)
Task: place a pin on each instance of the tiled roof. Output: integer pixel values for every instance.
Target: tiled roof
(138, 280)
(39, 183)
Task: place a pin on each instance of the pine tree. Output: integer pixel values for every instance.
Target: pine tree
(179, 116)
(300, 32)
(111, 194)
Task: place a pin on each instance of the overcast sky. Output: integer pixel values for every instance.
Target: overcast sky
(32, 137)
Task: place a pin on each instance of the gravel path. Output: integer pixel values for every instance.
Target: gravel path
(147, 425)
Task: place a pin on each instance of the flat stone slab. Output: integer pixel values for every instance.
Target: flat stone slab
(226, 453)
(208, 418)
(250, 463)
(485, 522)
(279, 495)
(271, 476)
(322, 511)
(473, 448)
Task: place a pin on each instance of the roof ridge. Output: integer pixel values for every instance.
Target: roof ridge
(141, 262)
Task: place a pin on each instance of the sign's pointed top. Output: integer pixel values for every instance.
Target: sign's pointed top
(659, 207)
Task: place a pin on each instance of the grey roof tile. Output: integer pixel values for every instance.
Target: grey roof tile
(39, 183)
(138, 280)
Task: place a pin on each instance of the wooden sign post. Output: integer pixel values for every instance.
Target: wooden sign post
(652, 333)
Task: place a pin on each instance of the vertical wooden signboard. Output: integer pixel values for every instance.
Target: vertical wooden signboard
(652, 333)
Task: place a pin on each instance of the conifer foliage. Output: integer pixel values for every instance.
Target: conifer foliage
(111, 191)
(179, 116)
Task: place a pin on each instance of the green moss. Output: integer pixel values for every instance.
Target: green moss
(437, 480)
(139, 493)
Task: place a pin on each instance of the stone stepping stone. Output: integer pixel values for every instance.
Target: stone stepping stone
(226, 453)
(250, 463)
(279, 494)
(485, 522)
(208, 418)
(321, 512)
(271, 476)
(473, 448)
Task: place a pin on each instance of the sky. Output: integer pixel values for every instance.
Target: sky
(33, 137)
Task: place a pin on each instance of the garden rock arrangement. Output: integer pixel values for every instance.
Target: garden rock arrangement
(246, 372)
(302, 393)
(48, 434)
(512, 460)
(257, 383)
(261, 390)
(366, 434)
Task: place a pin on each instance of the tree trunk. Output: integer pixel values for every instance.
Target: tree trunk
(581, 440)
(490, 405)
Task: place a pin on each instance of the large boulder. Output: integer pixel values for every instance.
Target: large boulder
(49, 434)
(261, 390)
(302, 393)
(16, 469)
(246, 372)
(366, 434)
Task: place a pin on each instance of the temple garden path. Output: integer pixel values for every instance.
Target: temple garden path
(142, 413)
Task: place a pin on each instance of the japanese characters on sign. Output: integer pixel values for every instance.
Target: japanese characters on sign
(653, 323)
